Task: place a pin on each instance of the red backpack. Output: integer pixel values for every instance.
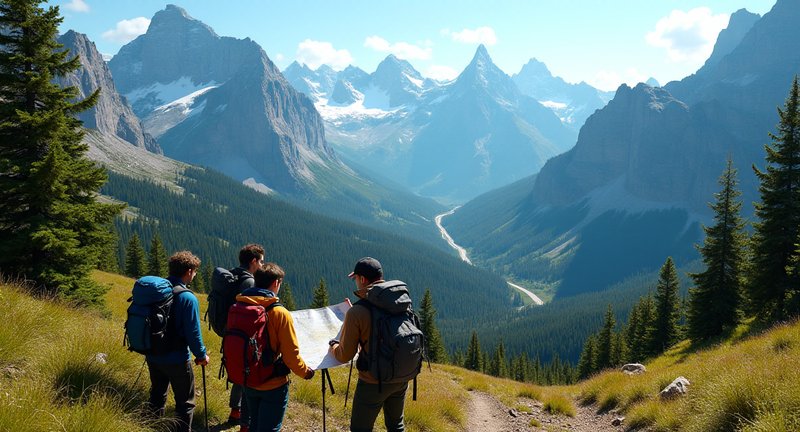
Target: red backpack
(247, 356)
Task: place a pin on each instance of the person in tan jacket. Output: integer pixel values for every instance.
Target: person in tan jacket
(267, 402)
(370, 396)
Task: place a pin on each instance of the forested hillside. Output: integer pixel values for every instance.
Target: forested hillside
(215, 215)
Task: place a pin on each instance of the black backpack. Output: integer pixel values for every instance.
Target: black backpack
(150, 326)
(225, 285)
(397, 345)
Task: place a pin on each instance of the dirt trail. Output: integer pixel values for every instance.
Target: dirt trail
(487, 414)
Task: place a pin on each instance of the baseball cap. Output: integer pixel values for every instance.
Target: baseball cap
(368, 267)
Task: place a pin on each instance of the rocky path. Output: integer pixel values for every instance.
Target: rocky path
(486, 413)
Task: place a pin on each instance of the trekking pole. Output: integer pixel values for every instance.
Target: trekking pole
(347, 390)
(324, 422)
(205, 397)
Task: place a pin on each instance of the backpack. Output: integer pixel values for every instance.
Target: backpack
(224, 288)
(150, 326)
(397, 345)
(247, 356)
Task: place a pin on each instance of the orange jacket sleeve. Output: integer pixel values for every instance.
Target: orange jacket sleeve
(287, 343)
(356, 328)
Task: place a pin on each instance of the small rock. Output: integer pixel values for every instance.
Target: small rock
(617, 421)
(678, 387)
(634, 368)
(101, 358)
(11, 371)
(513, 413)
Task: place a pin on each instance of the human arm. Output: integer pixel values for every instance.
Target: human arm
(288, 345)
(354, 330)
(191, 326)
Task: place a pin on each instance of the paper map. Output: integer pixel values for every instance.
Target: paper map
(314, 328)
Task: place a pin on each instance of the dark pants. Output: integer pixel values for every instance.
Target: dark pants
(267, 408)
(181, 377)
(238, 400)
(367, 403)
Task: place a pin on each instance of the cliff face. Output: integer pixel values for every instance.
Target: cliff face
(111, 115)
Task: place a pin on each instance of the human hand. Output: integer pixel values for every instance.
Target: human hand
(203, 361)
(310, 374)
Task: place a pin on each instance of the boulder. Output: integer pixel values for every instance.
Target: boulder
(617, 421)
(634, 368)
(678, 387)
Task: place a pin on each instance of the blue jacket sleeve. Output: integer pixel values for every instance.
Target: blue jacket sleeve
(191, 325)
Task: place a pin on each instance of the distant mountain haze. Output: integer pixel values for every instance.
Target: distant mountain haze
(635, 187)
(450, 141)
(111, 115)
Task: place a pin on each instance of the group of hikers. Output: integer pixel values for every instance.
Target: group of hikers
(258, 402)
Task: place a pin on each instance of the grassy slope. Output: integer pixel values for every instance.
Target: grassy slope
(50, 380)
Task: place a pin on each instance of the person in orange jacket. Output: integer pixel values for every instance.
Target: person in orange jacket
(267, 402)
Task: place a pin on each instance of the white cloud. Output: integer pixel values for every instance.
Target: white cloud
(610, 80)
(316, 53)
(403, 50)
(441, 73)
(688, 36)
(127, 30)
(77, 6)
(480, 35)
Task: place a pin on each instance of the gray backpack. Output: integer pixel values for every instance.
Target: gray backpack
(397, 345)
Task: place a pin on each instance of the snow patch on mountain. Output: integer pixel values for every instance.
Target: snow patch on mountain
(260, 187)
(147, 99)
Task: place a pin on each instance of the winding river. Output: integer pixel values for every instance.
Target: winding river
(464, 257)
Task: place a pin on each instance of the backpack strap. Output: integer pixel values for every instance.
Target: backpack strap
(373, 340)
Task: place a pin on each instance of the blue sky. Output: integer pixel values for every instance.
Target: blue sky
(604, 43)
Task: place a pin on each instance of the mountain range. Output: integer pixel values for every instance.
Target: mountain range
(451, 140)
(635, 187)
(220, 102)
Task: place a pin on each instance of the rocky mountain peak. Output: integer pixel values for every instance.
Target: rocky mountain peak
(111, 115)
(535, 68)
(740, 23)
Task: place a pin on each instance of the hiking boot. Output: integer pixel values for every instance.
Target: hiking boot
(235, 415)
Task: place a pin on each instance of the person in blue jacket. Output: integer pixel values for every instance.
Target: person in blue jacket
(175, 367)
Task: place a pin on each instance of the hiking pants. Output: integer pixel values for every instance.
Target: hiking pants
(239, 401)
(267, 408)
(181, 377)
(367, 403)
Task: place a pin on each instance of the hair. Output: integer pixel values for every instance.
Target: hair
(268, 273)
(181, 262)
(250, 252)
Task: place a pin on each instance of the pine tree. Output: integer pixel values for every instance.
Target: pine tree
(198, 284)
(157, 259)
(587, 363)
(776, 232)
(642, 335)
(206, 270)
(427, 314)
(108, 260)
(320, 295)
(715, 300)
(605, 340)
(474, 360)
(619, 350)
(286, 296)
(499, 364)
(135, 263)
(52, 226)
(666, 331)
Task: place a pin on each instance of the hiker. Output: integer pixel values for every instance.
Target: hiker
(267, 402)
(174, 367)
(251, 258)
(374, 393)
